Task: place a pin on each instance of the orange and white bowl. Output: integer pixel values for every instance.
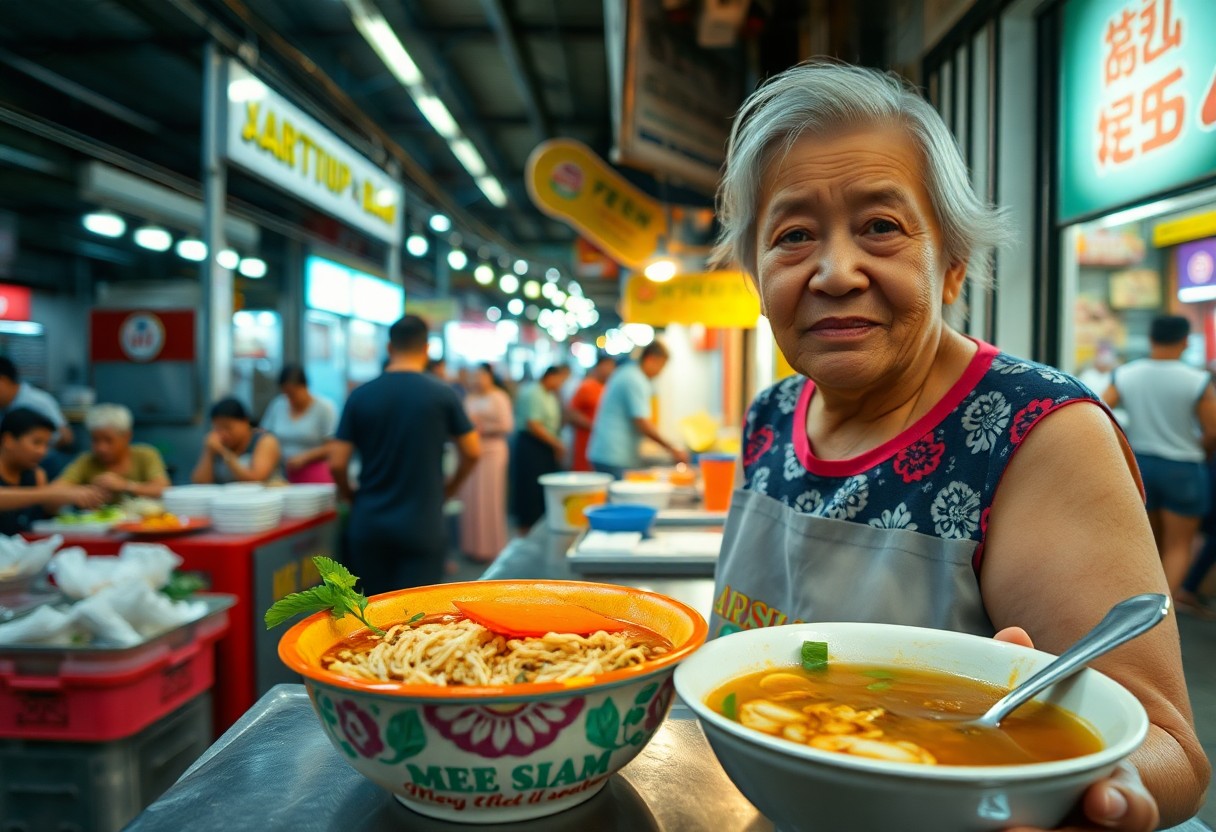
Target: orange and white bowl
(494, 754)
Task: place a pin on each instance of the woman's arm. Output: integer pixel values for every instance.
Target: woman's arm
(1068, 538)
(537, 429)
(204, 469)
(263, 464)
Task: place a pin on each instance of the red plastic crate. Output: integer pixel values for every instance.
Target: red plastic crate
(94, 698)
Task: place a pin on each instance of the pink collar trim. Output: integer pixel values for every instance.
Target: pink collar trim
(980, 363)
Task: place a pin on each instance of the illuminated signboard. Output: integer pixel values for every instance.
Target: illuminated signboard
(1137, 100)
(271, 137)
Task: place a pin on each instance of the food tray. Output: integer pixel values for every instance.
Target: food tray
(97, 693)
(659, 555)
(690, 517)
(674, 785)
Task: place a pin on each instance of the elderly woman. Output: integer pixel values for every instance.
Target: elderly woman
(113, 463)
(304, 424)
(234, 450)
(910, 474)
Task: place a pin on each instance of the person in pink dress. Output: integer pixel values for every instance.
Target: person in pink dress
(483, 526)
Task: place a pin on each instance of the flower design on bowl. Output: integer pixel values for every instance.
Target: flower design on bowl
(359, 728)
(503, 730)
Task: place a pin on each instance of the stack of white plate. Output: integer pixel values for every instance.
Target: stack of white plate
(245, 511)
(190, 500)
(308, 499)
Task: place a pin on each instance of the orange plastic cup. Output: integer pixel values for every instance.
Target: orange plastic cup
(718, 475)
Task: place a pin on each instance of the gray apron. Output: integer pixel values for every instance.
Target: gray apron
(781, 566)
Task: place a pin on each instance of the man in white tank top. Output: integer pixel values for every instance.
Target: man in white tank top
(1171, 410)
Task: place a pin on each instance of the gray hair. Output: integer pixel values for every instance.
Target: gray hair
(819, 96)
(113, 416)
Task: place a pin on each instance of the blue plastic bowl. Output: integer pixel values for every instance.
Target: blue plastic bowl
(621, 517)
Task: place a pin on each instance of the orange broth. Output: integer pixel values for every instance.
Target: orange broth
(923, 707)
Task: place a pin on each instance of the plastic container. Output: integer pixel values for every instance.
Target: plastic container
(718, 477)
(97, 694)
(621, 518)
(98, 787)
(568, 493)
(656, 494)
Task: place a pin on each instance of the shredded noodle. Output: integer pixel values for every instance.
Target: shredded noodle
(466, 653)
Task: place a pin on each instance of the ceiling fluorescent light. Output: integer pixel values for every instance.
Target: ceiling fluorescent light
(153, 238)
(493, 191)
(388, 46)
(468, 156)
(105, 223)
(253, 268)
(436, 112)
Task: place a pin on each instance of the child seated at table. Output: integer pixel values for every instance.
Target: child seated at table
(25, 439)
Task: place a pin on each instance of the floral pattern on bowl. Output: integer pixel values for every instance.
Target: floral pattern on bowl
(503, 730)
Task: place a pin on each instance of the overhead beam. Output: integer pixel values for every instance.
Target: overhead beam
(521, 71)
(79, 92)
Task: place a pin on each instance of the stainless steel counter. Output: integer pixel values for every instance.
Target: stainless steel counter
(275, 770)
(542, 554)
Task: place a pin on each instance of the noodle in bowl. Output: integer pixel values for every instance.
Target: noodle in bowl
(464, 724)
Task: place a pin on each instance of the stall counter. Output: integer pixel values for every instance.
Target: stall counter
(258, 569)
(541, 555)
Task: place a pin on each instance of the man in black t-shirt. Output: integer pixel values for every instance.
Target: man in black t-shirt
(399, 423)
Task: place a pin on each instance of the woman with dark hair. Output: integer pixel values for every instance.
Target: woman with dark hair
(234, 450)
(304, 424)
(538, 448)
(483, 529)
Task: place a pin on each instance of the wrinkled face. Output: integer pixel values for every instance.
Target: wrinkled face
(110, 445)
(849, 257)
(234, 433)
(28, 451)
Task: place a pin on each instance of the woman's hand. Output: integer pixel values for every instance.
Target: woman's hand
(81, 496)
(111, 481)
(213, 444)
(1120, 802)
(295, 463)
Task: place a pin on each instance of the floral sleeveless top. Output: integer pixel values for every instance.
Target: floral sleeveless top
(937, 478)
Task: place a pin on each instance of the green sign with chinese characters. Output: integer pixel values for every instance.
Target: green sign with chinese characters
(1137, 100)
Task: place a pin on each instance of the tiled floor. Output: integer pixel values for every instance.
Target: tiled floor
(1198, 651)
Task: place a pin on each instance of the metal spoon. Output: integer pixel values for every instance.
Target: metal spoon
(1126, 620)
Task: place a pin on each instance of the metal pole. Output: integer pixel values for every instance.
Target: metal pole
(393, 261)
(215, 312)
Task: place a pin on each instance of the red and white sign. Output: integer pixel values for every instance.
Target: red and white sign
(14, 302)
(142, 335)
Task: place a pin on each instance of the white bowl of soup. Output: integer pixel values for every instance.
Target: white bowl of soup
(867, 735)
(465, 723)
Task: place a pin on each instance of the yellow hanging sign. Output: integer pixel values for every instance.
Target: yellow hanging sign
(569, 182)
(722, 299)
